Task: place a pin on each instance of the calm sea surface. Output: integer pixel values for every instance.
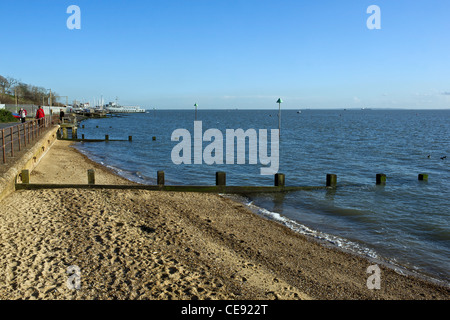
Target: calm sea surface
(405, 223)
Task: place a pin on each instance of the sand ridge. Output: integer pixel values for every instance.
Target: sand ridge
(128, 251)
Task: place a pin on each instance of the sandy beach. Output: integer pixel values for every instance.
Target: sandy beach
(163, 245)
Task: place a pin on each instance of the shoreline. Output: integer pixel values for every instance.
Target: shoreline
(164, 245)
(379, 259)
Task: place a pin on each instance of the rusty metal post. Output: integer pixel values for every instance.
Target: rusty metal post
(24, 135)
(12, 142)
(18, 132)
(3, 146)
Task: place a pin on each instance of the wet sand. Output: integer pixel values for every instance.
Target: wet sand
(163, 245)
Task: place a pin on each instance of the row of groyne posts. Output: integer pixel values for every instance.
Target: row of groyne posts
(219, 187)
(63, 133)
(17, 137)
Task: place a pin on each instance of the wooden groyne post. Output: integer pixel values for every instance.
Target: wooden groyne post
(91, 176)
(65, 130)
(381, 179)
(331, 180)
(280, 180)
(25, 176)
(65, 133)
(160, 181)
(221, 178)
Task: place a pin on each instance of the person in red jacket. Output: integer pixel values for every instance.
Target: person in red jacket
(40, 115)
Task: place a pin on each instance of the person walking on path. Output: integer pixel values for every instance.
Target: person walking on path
(40, 115)
(61, 115)
(23, 115)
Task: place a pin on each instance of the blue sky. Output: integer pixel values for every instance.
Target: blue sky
(233, 53)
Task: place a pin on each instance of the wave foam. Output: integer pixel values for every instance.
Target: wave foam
(302, 229)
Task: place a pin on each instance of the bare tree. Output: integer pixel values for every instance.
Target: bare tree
(27, 93)
(12, 82)
(4, 84)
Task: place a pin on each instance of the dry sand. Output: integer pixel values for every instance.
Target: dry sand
(163, 245)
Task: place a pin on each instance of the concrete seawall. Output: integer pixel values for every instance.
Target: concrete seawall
(28, 161)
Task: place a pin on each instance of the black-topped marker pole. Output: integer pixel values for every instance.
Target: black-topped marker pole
(279, 101)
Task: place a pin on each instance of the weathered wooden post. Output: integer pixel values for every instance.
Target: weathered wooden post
(91, 176)
(221, 178)
(423, 177)
(3, 146)
(74, 132)
(65, 133)
(24, 135)
(153, 138)
(331, 180)
(18, 131)
(279, 180)
(106, 137)
(12, 142)
(381, 178)
(82, 136)
(130, 138)
(26, 176)
(160, 178)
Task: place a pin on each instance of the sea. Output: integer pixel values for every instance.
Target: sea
(404, 223)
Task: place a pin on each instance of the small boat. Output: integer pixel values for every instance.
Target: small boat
(299, 111)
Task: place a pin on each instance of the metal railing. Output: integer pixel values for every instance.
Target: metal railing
(17, 137)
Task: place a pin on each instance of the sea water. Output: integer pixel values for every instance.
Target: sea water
(405, 222)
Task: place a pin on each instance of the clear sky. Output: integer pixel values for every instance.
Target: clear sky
(233, 53)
